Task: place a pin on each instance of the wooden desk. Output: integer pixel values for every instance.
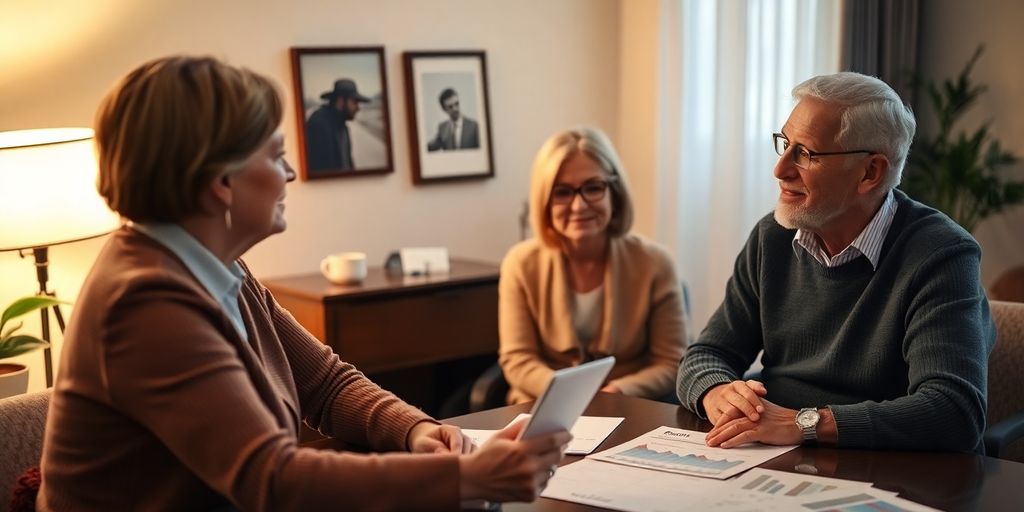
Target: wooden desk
(948, 481)
(393, 322)
(421, 337)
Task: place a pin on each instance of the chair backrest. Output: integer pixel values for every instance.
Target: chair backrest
(1005, 392)
(22, 421)
(1009, 285)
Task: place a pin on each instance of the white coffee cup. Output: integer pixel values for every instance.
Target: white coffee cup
(344, 267)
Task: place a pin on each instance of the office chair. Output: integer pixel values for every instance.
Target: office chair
(1004, 437)
(1008, 286)
(22, 422)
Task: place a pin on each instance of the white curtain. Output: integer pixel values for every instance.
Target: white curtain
(726, 69)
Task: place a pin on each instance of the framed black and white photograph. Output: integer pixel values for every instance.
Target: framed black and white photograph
(341, 107)
(449, 115)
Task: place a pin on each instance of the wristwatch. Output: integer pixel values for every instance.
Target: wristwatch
(807, 422)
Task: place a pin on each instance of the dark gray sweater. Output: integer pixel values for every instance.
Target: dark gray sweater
(900, 353)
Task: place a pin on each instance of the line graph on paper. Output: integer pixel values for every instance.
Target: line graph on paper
(685, 452)
(665, 457)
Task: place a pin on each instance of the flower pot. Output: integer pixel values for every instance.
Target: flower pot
(13, 379)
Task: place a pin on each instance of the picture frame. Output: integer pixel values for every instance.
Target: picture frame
(449, 115)
(341, 111)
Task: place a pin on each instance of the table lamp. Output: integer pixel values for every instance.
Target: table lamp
(48, 197)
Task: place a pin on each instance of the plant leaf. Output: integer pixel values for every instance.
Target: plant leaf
(17, 345)
(10, 331)
(26, 305)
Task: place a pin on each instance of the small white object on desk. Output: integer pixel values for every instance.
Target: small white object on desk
(418, 261)
(344, 267)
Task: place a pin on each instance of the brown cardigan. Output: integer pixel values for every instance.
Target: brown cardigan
(642, 318)
(160, 405)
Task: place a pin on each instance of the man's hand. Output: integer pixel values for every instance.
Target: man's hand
(736, 399)
(611, 388)
(777, 425)
(428, 437)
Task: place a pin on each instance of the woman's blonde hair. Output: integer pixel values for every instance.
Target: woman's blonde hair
(172, 126)
(550, 159)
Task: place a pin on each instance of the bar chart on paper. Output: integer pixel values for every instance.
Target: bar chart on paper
(769, 485)
(684, 451)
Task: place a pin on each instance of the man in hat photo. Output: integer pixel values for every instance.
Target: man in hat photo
(456, 132)
(328, 143)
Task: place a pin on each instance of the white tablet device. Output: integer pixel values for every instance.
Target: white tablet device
(567, 395)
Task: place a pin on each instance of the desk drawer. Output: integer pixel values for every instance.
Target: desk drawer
(386, 333)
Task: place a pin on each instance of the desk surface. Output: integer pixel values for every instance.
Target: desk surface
(378, 282)
(948, 481)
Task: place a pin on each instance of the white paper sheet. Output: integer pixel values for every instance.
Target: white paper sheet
(587, 433)
(631, 489)
(684, 452)
(655, 473)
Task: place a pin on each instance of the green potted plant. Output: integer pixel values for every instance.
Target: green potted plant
(14, 377)
(960, 173)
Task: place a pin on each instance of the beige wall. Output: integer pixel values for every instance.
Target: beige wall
(551, 64)
(950, 31)
(637, 114)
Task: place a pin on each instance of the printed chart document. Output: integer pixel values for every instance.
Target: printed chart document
(869, 500)
(683, 451)
(617, 487)
(781, 483)
(670, 469)
(632, 489)
(587, 433)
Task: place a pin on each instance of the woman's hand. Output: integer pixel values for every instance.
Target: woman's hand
(505, 469)
(736, 399)
(429, 437)
(611, 388)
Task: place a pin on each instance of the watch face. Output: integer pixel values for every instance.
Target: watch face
(807, 418)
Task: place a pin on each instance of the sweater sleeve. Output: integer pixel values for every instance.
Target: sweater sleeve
(335, 397)
(732, 339)
(666, 331)
(949, 335)
(520, 357)
(168, 368)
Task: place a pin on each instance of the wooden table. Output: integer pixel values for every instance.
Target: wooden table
(948, 481)
(402, 329)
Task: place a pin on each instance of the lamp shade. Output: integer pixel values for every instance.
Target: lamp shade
(48, 189)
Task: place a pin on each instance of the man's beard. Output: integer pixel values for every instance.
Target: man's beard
(799, 217)
(342, 115)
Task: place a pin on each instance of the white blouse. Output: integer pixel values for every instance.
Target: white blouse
(586, 314)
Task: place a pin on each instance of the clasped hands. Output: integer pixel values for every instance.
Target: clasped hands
(740, 414)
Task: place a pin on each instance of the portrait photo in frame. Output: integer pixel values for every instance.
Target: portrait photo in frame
(449, 115)
(341, 107)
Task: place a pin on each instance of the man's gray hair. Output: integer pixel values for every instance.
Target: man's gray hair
(874, 117)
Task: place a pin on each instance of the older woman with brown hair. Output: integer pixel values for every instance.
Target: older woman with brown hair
(585, 287)
(183, 383)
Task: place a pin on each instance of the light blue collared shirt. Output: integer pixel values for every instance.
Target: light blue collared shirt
(868, 242)
(223, 283)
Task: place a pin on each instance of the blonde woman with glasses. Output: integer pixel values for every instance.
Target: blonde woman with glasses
(585, 287)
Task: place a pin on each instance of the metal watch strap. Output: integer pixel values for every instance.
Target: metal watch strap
(810, 433)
